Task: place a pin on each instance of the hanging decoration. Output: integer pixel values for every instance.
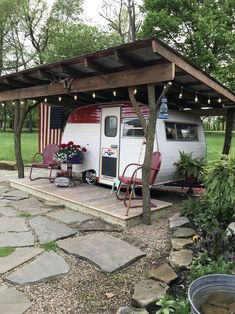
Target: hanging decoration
(163, 114)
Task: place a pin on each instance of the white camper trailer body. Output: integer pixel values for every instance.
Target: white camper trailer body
(114, 139)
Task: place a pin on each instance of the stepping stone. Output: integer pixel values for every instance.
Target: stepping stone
(3, 189)
(45, 267)
(31, 206)
(231, 229)
(48, 230)
(8, 211)
(148, 291)
(131, 310)
(68, 216)
(183, 233)
(179, 243)
(16, 195)
(178, 221)
(18, 257)
(107, 252)
(12, 301)
(13, 224)
(164, 273)
(15, 239)
(98, 225)
(181, 259)
(53, 205)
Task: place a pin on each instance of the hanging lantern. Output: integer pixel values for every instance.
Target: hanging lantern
(163, 114)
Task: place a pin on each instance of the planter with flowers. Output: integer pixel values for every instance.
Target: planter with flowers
(70, 153)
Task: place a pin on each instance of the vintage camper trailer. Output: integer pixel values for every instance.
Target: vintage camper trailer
(114, 138)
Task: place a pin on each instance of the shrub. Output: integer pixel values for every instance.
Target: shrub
(171, 305)
(204, 265)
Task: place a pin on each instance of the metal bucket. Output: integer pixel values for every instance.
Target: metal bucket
(201, 288)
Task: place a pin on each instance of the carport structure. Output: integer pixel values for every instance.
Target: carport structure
(105, 76)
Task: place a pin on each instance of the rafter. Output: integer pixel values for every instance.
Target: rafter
(91, 64)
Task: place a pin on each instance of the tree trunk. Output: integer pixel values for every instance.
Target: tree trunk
(20, 113)
(149, 131)
(228, 131)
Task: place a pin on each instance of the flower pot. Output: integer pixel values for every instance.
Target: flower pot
(206, 286)
(75, 160)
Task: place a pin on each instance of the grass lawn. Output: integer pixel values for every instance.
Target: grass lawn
(214, 141)
(29, 146)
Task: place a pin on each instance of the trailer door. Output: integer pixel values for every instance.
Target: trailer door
(110, 144)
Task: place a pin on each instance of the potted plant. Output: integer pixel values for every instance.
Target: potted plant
(70, 153)
(189, 167)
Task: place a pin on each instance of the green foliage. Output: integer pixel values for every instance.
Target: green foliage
(50, 246)
(202, 30)
(189, 166)
(218, 243)
(24, 214)
(220, 183)
(170, 305)
(204, 265)
(5, 251)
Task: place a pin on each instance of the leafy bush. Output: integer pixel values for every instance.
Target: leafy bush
(204, 265)
(171, 305)
(189, 166)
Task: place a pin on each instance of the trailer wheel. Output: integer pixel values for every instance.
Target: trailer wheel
(89, 177)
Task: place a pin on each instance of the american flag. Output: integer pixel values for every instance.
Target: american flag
(50, 125)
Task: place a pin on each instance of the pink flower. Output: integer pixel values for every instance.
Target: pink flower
(84, 149)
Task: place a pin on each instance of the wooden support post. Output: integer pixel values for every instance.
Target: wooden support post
(228, 131)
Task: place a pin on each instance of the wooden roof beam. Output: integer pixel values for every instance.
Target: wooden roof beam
(14, 83)
(188, 68)
(68, 70)
(45, 75)
(132, 77)
(91, 64)
(121, 57)
(30, 79)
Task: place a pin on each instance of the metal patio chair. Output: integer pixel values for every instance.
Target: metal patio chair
(132, 182)
(46, 163)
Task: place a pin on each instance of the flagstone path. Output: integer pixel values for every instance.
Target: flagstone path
(26, 222)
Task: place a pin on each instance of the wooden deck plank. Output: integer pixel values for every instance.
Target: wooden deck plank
(96, 200)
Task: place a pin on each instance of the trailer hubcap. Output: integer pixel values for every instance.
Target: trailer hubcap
(90, 177)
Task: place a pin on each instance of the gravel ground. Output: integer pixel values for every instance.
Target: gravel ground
(84, 288)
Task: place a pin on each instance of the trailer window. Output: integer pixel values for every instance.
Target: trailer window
(181, 131)
(110, 129)
(132, 127)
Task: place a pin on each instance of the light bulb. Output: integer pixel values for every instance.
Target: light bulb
(135, 91)
(219, 100)
(114, 93)
(75, 97)
(181, 93)
(22, 102)
(196, 98)
(93, 95)
(59, 98)
(45, 100)
(3, 104)
(208, 101)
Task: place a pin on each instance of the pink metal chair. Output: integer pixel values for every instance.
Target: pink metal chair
(47, 161)
(131, 183)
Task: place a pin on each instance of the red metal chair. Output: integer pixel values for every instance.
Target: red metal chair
(47, 161)
(130, 183)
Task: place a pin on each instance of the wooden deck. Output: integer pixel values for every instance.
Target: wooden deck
(94, 200)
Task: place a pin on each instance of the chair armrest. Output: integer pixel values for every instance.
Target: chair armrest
(132, 164)
(35, 155)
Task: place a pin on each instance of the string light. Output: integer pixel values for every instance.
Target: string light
(93, 95)
(135, 91)
(59, 98)
(181, 93)
(219, 100)
(45, 100)
(196, 98)
(114, 93)
(3, 104)
(13, 103)
(75, 97)
(34, 101)
(22, 102)
(209, 99)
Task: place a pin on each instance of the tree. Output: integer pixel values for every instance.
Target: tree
(202, 30)
(123, 18)
(149, 134)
